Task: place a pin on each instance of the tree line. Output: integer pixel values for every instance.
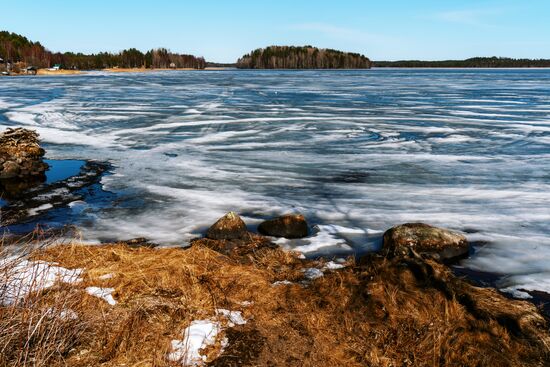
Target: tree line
(475, 62)
(305, 57)
(15, 48)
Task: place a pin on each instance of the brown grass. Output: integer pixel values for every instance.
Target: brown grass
(58, 72)
(399, 312)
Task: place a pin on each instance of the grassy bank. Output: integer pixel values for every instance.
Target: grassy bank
(377, 312)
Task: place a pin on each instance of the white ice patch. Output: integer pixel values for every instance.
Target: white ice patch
(38, 209)
(331, 265)
(233, 317)
(20, 277)
(329, 235)
(201, 334)
(103, 293)
(312, 273)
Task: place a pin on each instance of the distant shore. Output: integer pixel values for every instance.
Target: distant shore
(147, 70)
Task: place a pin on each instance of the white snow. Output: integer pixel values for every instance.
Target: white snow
(107, 276)
(201, 334)
(103, 293)
(331, 265)
(197, 336)
(233, 317)
(20, 277)
(312, 273)
(35, 211)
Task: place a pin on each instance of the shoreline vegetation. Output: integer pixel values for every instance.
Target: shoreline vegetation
(17, 52)
(475, 62)
(235, 298)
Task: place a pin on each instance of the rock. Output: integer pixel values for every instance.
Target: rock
(438, 243)
(240, 249)
(288, 226)
(21, 154)
(228, 227)
(10, 169)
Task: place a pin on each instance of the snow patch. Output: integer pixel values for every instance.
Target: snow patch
(103, 293)
(331, 265)
(20, 277)
(312, 273)
(233, 317)
(201, 334)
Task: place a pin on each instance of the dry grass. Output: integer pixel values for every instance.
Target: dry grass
(58, 72)
(400, 312)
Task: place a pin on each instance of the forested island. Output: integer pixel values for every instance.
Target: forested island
(475, 62)
(306, 57)
(17, 49)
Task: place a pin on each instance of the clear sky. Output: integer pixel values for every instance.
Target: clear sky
(224, 30)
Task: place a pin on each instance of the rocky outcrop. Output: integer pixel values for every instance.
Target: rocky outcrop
(228, 227)
(20, 154)
(230, 236)
(288, 226)
(423, 239)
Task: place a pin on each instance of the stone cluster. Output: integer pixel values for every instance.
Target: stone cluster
(20, 154)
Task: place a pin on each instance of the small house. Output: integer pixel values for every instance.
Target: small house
(172, 65)
(56, 67)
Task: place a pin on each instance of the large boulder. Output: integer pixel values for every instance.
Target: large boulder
(426, 240)
(288, 226)
(228, 227)
(20, 154)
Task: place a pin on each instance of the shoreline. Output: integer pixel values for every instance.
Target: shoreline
(148, 70)
(264, 305)
(46, 72)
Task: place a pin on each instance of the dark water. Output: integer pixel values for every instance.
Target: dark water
(62, 169)
(355, 151)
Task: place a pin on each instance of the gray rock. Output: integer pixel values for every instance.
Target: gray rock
(423, 239)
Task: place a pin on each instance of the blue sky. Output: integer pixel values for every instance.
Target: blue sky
(224, 30)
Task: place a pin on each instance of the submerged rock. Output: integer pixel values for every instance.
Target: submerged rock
(288, 226)
(228, 227)
(20, 154)
(439, 243)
